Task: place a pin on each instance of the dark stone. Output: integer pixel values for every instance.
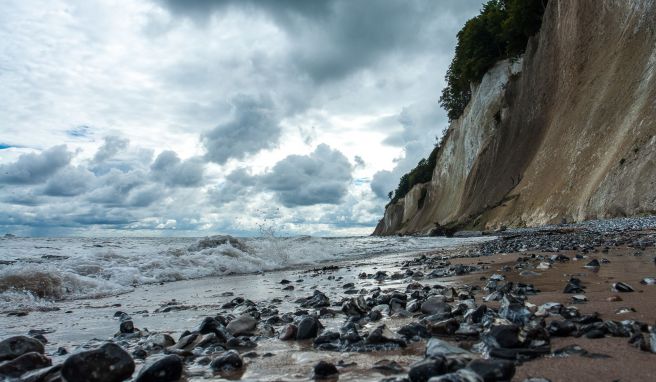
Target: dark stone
(48, 374)
(503, 336)
(382, 335)
(308, 328)
(622, 287)
(386, 366)
(13, 347)
(462, 375)
(317, 300)
(444, 327)
(163, 369)
(593, 264)
(440, 348)
(242, 326)
(24, 363)
(208, 325)
(326, 337)
(109, 363)
(493, 370)
(288, 332)
(324, 370)
(414, 329)
(561, 328)
(126, 327)
(424, 370)
(435, 305)
(227, 361)
(573, 286)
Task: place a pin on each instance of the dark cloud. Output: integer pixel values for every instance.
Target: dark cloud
(112, 146)
(172, 171)
(321, 177)
(70, 181)
(252, 127)
(333, 38)
(35, 168)
(236, 184)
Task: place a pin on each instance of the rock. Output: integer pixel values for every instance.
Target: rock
(593, 264)
(462, 375)
(161, 340)
(24, 363)
(492, 369)
(208, 325)
(227, 361)
(382, 335)
(308, 328)
(435, 305)
(317, 300)
(573, 286)
(288, 332)
(48, 374)
(502, 336)
(439, 348)
(614, 299)
(13, 347)
(355, 306)
(414, 329)
(424, 370)
(324, 370)
(444, 327)
(622, 287)
(126, 327)
(386, 366)
(648, 281)
(561, 328)
(652, 339)
(109, 363)
(242, 326)
(162, 369)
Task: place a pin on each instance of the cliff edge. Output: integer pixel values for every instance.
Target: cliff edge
(568, 132)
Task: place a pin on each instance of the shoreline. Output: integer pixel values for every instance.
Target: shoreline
(471, 268)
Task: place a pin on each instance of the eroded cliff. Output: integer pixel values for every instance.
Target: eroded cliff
(566, 133)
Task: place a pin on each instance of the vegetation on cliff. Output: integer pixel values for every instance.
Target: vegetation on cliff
(500, 31)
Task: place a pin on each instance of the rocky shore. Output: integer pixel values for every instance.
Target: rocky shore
(570, 302)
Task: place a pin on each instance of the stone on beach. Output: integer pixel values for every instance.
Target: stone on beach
(242, 326)
(16, 346)
(161, 369)
(109, 363)
(24, 363)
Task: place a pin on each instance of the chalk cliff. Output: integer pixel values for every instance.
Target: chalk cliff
(567, 132)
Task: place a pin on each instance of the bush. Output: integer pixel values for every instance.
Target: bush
(501, 31)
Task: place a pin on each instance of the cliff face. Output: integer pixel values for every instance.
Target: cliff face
(568, 132)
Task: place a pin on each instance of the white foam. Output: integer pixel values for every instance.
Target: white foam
(89, 268)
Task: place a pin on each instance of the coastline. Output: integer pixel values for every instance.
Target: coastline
(150, 307)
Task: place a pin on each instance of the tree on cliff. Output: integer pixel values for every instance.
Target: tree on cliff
(501, 31)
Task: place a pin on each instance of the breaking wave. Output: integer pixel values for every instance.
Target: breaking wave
(37, 271)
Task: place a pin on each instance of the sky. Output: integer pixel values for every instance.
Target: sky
(198, 117)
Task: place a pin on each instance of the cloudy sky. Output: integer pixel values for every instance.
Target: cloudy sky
(194, 117)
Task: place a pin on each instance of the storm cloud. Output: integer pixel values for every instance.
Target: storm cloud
(322, 177)
(35, 168)
(252, 127)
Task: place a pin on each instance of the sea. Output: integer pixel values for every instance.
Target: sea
(37, 272)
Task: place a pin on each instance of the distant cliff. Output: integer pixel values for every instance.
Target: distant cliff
(568, 132)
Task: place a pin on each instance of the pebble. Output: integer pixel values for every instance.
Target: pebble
(24, 363)
(162, 369)
(227, 361)
(424, 370)
(16, 346)
(109, 363)
(325, 370)
(242, 326)
(622, 287)
(308, 328)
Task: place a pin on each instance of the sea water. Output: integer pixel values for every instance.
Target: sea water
(35, 272)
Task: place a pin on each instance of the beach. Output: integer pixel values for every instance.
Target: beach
(419, 297)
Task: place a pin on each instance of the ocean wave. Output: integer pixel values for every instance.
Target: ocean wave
(94, 268)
